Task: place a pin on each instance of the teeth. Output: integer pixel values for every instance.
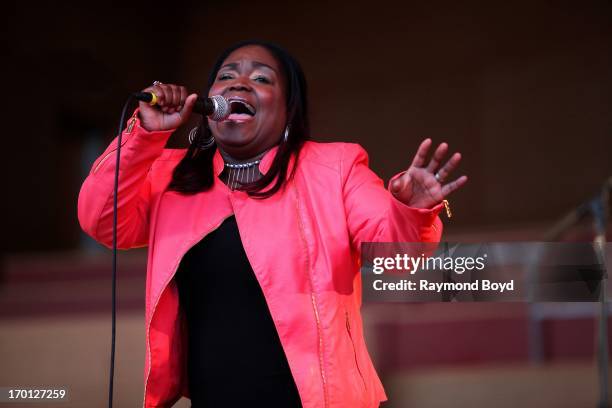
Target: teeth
(244, 103)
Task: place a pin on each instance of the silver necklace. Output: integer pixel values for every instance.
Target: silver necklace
(241, 173)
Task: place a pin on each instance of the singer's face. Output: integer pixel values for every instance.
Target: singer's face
(252, 81)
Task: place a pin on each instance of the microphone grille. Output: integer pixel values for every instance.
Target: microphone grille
(222, 108)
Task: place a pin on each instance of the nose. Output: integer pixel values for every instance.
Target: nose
(240, 84)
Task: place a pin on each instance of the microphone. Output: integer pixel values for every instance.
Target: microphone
(215, 107)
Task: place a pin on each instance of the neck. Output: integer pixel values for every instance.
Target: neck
(232, 160)
(235, 175)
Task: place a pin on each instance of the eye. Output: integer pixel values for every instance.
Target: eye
(224, 77)
(262, 79)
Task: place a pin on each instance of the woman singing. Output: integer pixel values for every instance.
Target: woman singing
(254, 232)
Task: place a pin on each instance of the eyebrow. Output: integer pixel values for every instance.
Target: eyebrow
(256, 64)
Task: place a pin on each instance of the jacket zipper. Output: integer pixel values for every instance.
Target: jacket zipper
(128, 130)
(314, 305)
(348, 329)
(176, 265)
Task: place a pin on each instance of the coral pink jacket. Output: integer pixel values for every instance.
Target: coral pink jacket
(303, 244)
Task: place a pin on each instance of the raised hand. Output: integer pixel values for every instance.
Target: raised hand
(423, 185)
(172, 110)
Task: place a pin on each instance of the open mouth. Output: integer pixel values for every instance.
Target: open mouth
(240, 110)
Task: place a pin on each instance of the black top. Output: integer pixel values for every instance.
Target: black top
(234, 358)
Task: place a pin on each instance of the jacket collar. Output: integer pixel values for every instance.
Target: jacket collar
(264, 165)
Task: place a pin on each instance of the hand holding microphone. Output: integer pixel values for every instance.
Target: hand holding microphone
(168, 106)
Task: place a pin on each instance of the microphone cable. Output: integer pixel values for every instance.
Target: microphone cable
(219, 109)
(114, 274)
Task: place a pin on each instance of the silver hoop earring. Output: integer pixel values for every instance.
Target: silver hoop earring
(286, 133)
(192, 134)
(193, 138)
(207, 144)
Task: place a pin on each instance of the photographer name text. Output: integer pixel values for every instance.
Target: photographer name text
(428, 286)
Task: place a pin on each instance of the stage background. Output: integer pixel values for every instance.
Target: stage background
(522, 89)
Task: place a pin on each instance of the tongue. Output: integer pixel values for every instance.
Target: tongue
(239, 116)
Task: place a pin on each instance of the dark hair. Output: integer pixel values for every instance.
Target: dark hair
(195, 173)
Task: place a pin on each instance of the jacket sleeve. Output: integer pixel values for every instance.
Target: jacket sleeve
(374, 214)
(139, 149)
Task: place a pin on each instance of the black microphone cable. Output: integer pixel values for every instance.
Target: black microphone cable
(114, 275)
(217, 109)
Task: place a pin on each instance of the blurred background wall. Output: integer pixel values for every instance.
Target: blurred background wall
(522, 89)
